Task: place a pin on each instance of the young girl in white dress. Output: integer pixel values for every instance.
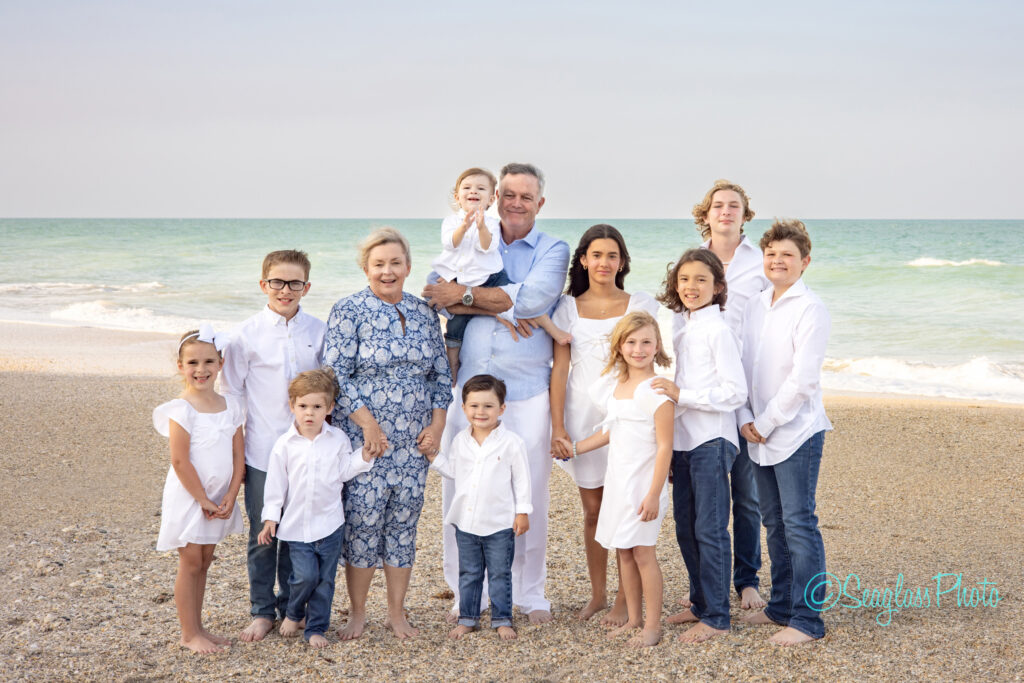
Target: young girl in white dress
(593, 303)
(638, 430)
(207, 466)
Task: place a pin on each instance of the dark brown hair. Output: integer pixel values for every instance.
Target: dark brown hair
(669, 291)
(579, 281)
(484, 383)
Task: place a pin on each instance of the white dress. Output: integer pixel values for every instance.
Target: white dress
(588, 356)
(210, 434)
(632, 452)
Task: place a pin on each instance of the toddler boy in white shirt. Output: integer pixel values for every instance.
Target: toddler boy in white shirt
(265, 353)
(785, 331)
(308, 467)
(490, 506)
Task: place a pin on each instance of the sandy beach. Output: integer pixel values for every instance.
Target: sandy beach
(911, 488)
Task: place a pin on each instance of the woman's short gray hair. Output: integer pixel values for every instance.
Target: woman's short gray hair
(385, 235)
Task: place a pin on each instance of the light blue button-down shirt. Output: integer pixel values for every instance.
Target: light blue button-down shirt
(537, 266)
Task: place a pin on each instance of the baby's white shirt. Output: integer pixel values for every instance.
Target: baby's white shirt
(469, 263)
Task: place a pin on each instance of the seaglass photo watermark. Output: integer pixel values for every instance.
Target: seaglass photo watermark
(826, 591)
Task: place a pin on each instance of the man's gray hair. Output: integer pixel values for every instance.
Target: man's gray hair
(523, 169)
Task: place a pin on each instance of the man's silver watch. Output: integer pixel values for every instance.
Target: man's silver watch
(467, 298)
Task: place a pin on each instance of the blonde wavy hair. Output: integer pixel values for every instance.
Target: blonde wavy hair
(700, 211)
(630, 323)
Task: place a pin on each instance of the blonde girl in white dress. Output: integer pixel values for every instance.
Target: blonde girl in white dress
(638, 427)
(207, 466)
(593, 303)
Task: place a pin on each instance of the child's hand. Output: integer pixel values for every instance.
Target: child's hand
(665, 387)
(561, 449)
(481, 225)
(468, 220)
(521, 524)
(649, 507)
(748, 432)
(269, 531)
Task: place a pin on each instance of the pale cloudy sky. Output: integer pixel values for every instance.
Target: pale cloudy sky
(349, 109)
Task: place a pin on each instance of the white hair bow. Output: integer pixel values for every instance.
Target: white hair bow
(206, 334)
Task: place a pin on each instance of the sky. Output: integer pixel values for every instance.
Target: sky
(893, 109)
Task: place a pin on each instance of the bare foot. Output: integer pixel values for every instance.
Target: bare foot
(700, 632)
(757, 619)
(354, 628)
(201, 644)
(401, 626)
(646, 638)
(790, 636)
(257, 630)
(623, 630)
(593, 607)
(460, 630)
(317, 641)
(751, 599)
(452, 617)
(685, 603)
(540, 616)
(617, 617)
(685, 617)
(506, 633)
(290, 628)
(220, 640)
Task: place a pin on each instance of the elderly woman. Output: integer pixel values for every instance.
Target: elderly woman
(386, 347)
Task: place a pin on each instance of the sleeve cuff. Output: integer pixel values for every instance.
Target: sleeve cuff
(763, 425)
(513, 293)
(271, 514)
(524, 508)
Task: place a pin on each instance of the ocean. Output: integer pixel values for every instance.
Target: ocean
(925, 307)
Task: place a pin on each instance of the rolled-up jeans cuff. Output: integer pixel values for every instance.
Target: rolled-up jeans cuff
(472, 623)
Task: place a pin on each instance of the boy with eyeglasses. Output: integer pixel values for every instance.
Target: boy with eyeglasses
(265, 353)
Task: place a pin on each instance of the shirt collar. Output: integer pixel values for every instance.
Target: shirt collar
(799, 288)
(496, 434)
(706, 313)
(530, 240)
(274, 318)
(293, 431)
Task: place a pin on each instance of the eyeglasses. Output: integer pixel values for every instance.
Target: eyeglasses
(294, 285)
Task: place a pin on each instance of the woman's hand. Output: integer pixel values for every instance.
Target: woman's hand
(561, 444)
(226, 507)
(210, 509)
(649, 508)
(665, 387)
(429, 440)
(375, 441)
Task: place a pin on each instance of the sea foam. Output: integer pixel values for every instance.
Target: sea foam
(978, 378)
(107, 314)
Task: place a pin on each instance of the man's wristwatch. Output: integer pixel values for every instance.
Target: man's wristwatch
(467, 298)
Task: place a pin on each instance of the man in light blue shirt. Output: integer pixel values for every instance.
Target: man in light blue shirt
(536, 264)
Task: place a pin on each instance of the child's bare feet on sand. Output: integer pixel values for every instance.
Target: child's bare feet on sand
(317, 641)
(540, 616)
(751, 599)
(646, 638)
(401, 627)
(700, 632)
(617, 617)
(257, 630)
(757, 619)
(593, 607)
(623, 630)
(460, 630)
(506, 633)
(685, 617)
(452, 617)
(201, 644)
(220, 640)
(290, 629)
(790, 636)
(354, 628)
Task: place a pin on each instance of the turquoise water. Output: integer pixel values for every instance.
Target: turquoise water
(924, 307)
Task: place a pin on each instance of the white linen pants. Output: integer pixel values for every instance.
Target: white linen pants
(531, 420)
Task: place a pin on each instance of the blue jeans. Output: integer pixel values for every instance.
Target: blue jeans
(455, 328)
(795, 547)
(700, 506)
(746, 522)
(314, 566)
(265, 562)
(493, 553)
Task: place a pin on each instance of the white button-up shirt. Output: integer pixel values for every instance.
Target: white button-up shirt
(469, 263)
(745, 279)
(709, 374)
(304, 478)
(783, 351)
(492, 481)
(265, 353)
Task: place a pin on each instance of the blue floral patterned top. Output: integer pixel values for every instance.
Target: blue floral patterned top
(400, 377)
